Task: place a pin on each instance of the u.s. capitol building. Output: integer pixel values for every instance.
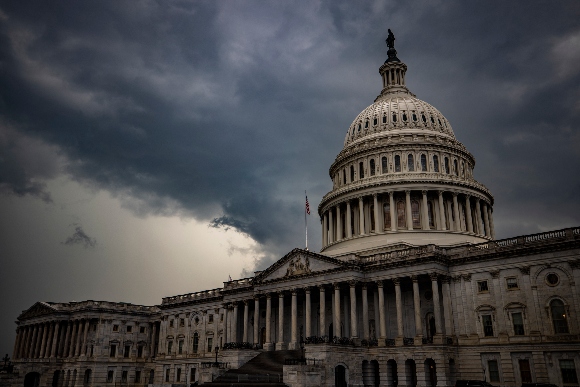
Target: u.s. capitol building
(410, 287)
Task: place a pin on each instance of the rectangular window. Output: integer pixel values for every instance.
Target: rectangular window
(180, 347)
(487, 325)
(170, 323)
(141, 329)
(210, 318)
(169, 347)
(192, 375)
(138, 376)
(209, 344)
(181, 322)
(493, 370)
(115, 328)
(167, 375)
(525, 371)
(512, 283)
(110, 374)
(129, 328)
(127, 351)
(113, 351)
(124, 377)
(178, 375)
(482, 286)
(140, 351)
(568, 370)
(222, 317)
(518, 322)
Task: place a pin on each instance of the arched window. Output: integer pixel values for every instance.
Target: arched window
(423, 163)
(384, 119)
(366, 124)
(436, 163)
(446, 165)
(401, 214)
(430, 214)
(372, 166)
(195, 342)
(394, 118)
(361, 170)
(456, 167)
(344, 176)
(559, 317)
(462, 169)
(415, 214)
(410, 163)
(351, 173)
(384, 165)
(387, 215)
(372, 216)
(397, 163)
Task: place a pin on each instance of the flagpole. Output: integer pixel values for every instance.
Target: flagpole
(305, 221)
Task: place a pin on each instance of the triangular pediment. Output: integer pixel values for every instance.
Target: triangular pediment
(296, 263)
(38, 309)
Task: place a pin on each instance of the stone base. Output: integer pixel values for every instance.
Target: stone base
(438, 339)
(293, 345)
(399, 341)
(269, 346)
(281, 346)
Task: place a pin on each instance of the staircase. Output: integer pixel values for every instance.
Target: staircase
(264, 370)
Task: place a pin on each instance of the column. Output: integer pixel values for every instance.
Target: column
(66, 339)
(308, 323)
(84, 346)
(280, 344)
(436, 304)
(425, 216)
(399, 305)
(382, 320)
(325, 230)
(336, 322)
(478, 216)
(235, 324)
(348, 220)
(441, 212)
(43, 340)
(245, 333)
(49, 333)
(376, 214)
(392, 211)
(78, 338)
(361, 216)
(490, 216)
(330, 227)
(17, 342)
(338, 223)
(447, 306)
(322, 310)
(268, 344)
(226, 323)
(22, 344)
(294, 321)
(365, 308)
(450, 216)
(153, 334)
(417, 308)
(456, 212)
(353, 314)
(468, 218)
(409, 212)
(257, 320)
(71, 349)
(486, 220)
(55, 339)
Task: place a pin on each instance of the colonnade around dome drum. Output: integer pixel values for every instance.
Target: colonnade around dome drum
(407, 211)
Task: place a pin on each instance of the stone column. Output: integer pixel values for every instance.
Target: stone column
(338, 223)
(48, 341)
(353, 314)
(55, 339)
(257, 320)
(456, 212)
(84, 346)
(436, 304)
(268, 343)
(478, 216)
(468, 218)
(17, 341)
(365, 308)
(78, 338)
(330, 227)
(376, 213)
(66, 339)
(280, 344)
(325, 230)
(450, 216)
(322, 310)
(336, 322)
(294, 321)
(447, 314)
(425, 214)
(409, 212)
(153, 334)
(441, 212)
(486, 220)
(235, 324)
(30, 349)
(392, 211)
(417, 308)
(71, 349)
(361, 216)
(24, 348)
(399, 305)
(382, 319)
(348, 220)
(21, 342)
(43, 340)
(308, 322)
(490, 216)
(245, 333)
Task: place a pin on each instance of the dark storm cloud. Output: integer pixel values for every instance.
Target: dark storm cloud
(229, 110)
(80, 237)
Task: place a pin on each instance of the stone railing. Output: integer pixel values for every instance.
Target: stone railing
(316, 340)
(404, 254)
(191, 296)
(241, 345)
(408, 341)
(389, 342)
(90, 304)
(369, 343)
(238, 283)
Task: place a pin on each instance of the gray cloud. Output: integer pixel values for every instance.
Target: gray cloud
(80, 237)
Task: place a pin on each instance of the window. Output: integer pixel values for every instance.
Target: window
(430, 214)
(209, 344)
(387, 215)
(372, 213)
(344, 176)
(410, 163)
(87, 378)
(178, 375)
(192, 375)
(366, 124)
(493, 370)
(482, 286)
(124, 377)
(361, 170)
(414, 117)
(512, 283)
(180, 347)
(487, 325)
(195, 342)
(423, 163)
(397, 163)
(568, 371)
(138, 376)
(127, 351)
(415, 214)
(141, 329)
(401, 214)
(170, 323)
(222, 317)
(455, 168)
(446, 165)
(210, 318)
(181, 322)
(394, 118)
(169, 347)
(384, 119)
(435, 163)
(110, 376)
(129, 328)
(384, 165)
(405, 117)
(518, 322)
(359, 127)
(115, 328)
(559, 318)
(423, 117)
(113, 351)
(372, 167)
(351, 173)
(525, 371)
(552, 279)
(140, 351)
(167, 375)
(375, 121)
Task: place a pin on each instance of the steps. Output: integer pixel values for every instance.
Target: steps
(265, 369)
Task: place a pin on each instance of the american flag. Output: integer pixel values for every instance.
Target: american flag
(307, 206)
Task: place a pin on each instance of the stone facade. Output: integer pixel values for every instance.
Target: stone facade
(410, 288)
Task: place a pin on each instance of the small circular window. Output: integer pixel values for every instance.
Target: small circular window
(428, 295)
(552, 279)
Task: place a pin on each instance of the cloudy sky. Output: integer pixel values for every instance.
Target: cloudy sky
(150, 149)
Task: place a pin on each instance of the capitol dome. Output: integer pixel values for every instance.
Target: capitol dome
(402, 178)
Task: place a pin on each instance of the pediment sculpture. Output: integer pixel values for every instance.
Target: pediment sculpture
(298, 266)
